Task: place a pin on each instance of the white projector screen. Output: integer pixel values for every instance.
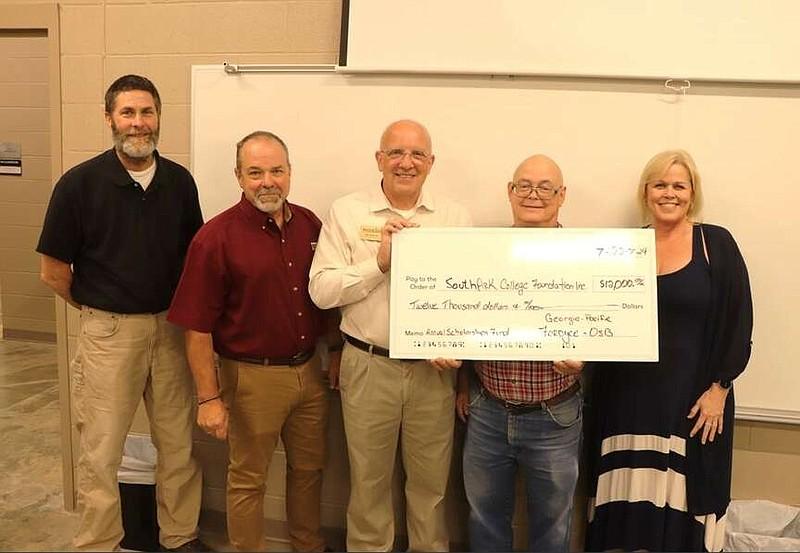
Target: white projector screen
(718, 40)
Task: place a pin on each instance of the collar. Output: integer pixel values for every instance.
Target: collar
(251, 214)
(120, 176)
(378, 202)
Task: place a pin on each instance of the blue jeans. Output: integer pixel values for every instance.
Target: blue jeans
(545, 444)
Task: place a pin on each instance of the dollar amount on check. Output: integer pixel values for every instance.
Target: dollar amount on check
(538, 294)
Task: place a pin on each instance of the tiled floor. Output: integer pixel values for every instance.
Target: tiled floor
(32, 516)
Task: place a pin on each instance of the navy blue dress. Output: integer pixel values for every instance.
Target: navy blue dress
(639, 428)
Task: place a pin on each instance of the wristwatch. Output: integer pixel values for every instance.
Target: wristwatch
(724, 383)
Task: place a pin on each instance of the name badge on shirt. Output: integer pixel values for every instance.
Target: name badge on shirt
(370, 233)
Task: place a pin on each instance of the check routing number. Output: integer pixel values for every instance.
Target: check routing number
(524, 293)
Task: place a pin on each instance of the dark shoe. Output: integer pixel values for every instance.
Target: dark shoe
(192, 545)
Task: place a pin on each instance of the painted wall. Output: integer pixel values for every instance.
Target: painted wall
(27, 304)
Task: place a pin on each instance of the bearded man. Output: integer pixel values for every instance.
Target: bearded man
(112, 244)
(244, 294)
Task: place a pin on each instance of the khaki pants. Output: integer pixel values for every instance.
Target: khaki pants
(383, 399)
(119, 360)
(265, 403)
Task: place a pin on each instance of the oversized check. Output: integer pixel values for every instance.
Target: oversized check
(524, 293)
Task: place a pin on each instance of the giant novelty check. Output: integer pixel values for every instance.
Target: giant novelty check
(524, 293)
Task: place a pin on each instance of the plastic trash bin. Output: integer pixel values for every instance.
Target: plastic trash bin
(137, 492)
(761, 525)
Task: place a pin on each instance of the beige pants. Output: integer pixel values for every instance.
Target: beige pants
(266, 403)
(383, 399)
(119, 360)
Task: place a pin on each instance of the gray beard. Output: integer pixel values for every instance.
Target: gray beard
(269, 207)
(135, 149)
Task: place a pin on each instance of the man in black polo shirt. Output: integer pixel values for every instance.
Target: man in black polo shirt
(113, 243)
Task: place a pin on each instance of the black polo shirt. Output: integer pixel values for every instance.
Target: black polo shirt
(126, 244)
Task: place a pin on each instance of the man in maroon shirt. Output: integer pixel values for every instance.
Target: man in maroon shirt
(244, 294)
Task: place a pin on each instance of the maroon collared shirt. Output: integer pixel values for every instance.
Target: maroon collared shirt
(246, 282)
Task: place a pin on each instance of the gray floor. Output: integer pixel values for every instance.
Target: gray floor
(32, 516)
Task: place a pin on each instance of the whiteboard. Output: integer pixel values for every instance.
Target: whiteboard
(729, 40)
(744, 141)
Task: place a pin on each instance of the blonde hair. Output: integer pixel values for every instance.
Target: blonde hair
(655, 169)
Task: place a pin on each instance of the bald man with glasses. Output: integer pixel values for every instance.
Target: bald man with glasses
(523, 413)
(388, 402)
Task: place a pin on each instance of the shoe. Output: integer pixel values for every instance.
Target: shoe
(192, 545)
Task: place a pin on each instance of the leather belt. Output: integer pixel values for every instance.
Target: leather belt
(520, 408)
(363, 346)
(296, 359)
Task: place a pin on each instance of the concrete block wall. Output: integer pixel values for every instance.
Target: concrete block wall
(27, 305)
(766, 462)
(102, 40)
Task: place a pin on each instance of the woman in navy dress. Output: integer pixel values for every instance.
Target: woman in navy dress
(661, 434)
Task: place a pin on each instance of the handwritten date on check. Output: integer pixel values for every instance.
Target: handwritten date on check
(524, 293)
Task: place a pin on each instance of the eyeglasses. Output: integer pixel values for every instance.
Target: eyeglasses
(544, 190)
(396, 154)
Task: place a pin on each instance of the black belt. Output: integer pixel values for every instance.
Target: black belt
(296, 359)
(520, 408)
(363, 346)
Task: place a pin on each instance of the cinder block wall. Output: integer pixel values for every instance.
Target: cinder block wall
(101, 40)
(766, 462)
(27, 304)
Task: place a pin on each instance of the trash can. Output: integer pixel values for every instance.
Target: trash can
(137, 491)
(761, 525)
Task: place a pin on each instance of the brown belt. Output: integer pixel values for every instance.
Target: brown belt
(296, 359)
(363, 346)
(520, 408)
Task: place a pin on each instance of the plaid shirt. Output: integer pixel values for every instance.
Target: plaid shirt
(522, 381)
